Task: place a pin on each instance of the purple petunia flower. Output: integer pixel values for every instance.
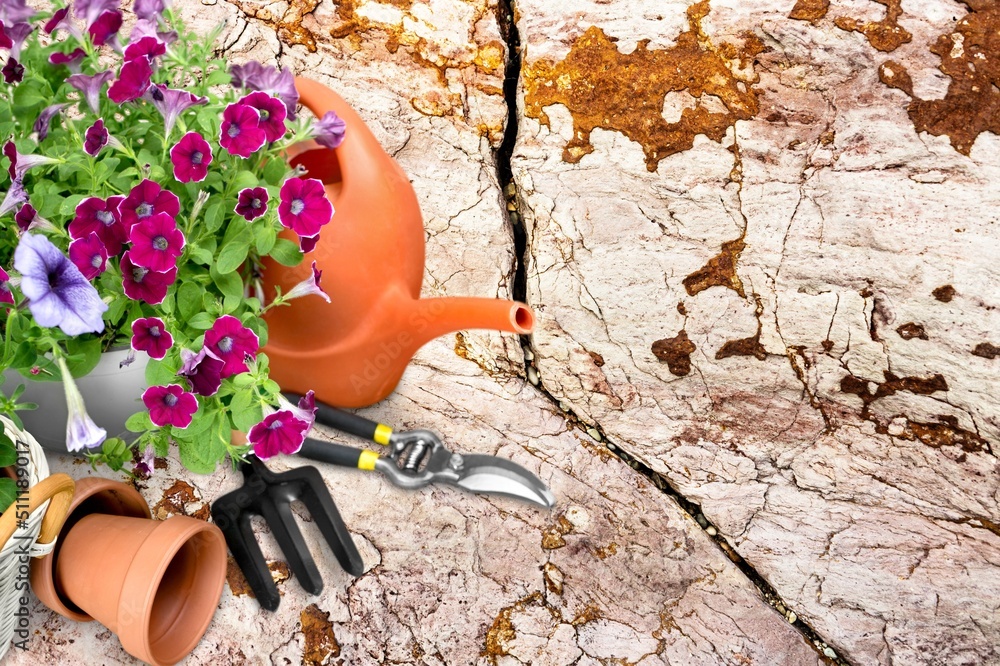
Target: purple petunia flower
(60, 19)
(231, 342)
(90, 86)
(150, 10)
(89, 255)
(308, 243)
(256, 76)
(95, 138)
(305, 411)
(13, 71)
(18, 33)
(252, 203)
(5, 294)
(15, 11)
(304, 207)
(145, 467)
(5, 41)
(146, 199)
(147, 46)
(278, 433)
(91, 10)
(202, 370)
(15, 196)
(142, 284)
(58, 294)
(170, 405)
(71, 59)
(132, 82)
(105, 27)
(191, 157)
(171, 103)
(20, 163)
(329, 130)
(44, 121)
(272, 114)
(81, 431)
(241, 133)
(308, 286)
(101, 217)
(150, 28)
(28, 219)
(150, 335)
(156, 243)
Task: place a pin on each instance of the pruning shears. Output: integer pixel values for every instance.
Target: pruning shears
(417, 458)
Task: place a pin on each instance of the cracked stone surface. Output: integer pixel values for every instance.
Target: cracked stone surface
(774, 283)
(618, 573)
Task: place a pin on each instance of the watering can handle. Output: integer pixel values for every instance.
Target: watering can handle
(59, 489)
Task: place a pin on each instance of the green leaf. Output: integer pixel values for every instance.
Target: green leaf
(215, 214)
(8, 493)
(200, 255)
(234, 252)
(189, 300)
(8, 452)
(264, 237)
(202, 454)
(286, 253)
(275, 171)
(218, 77)
(201, 321)
(246, 410)
(116, 453)
(139, 422)
(68, 205)
(84, 355)
(31, 93)
(159, 373)
(243, 179)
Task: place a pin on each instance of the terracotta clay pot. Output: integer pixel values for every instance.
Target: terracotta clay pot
(154, 583)
(353, 351)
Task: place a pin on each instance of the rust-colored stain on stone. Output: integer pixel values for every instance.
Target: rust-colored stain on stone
(318, 632)
(552, 537)
(238, 582)
(676, 353)
(175, 500)
(720, 271)
(944, 293)
(743, 347)
(885, 35)
(986, 350)
(947, 433)
(810, 10)
(910, 330)
(501, 633)
(894, 75)
(892, 385)
(289, 26)
(624, 92)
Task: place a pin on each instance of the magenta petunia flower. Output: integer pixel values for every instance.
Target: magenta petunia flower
(191, 157)
(101, 217)
(95, 138)
(231, 342)
(28, 219)
(150, 335)
(89, 255)
(156, 243)
(44, 120)
(171, 103)
(240, 133)
(146, 199)
(13, 71)
(148, 47)
(132, 82)
(105, 27)
(20, 162)
(329, 130)
(272, 114)
(305, 411)
(278, 433)
(304, 207)
(90, 86)
(5, 41)
(58, 20)
(252, 203)
(71, 59)
(256, 76)
(142, 284)
(91, 10)
(202, 370)
(5, 294)
(309, 286)
(308, 243)
(170, 405)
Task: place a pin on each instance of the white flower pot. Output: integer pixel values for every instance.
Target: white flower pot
(111, 393)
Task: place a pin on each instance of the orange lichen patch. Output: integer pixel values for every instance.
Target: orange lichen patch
(553, 576)
(238, 582)
(891, 386)
(289, 26)
(944, 293)
(743, 347)
(910, 330)
(502, 634)
(318, 632)
(624, 92)
(605, 552)
(885, 35)
(175, 500)
(986, 350)
(552, 537)
(946, 433)
(720, 271)
(676, 353)
(810, 10)
(894, 75)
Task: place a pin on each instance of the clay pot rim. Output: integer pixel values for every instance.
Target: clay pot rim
(43, 568)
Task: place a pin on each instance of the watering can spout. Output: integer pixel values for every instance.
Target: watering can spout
(434, 317)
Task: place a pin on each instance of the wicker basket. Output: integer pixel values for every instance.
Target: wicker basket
(47, 501)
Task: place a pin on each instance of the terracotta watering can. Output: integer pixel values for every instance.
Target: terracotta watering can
(353, 351)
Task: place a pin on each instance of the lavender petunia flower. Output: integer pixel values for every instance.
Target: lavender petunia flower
(150, 10)
(278, 433)
(81, 431)
(251, 203)
(132, 82)
(231, 342)
(15, 11)
(59, 295)
(308, 286)
(105, 27)
(20, 163)
(191, 157)
(256, 76)
(13, 71)
(329, 130)
(90, 86)
(148, 47)
(304, 207)
(144, 468)
(142, 284)
(170, 405)
(150, 28)
(15, 196)
(28, 219)
(89, 255)
(6, 296)
(202, 370)
(171, 103)
(95, 138)
(17, 34)
(150, 334)
(91, 10)
(71, 59)
(44, 120)
(241, 133)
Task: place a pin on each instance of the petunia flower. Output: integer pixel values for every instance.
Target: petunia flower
(308, 243)
(272, 114)
(18, 33)
(309, 286)
(101, 217)
(81, 431)
(58, 293)
(304, 207)
(170, 405)
(5, 41)
(147, 46)
(156, 243)
(191, 157)
(60, 19)
(241, 133)
(90, 86)
(150, 10)
(20, 163)
(305, 411)
(133, 80)
(329, 130)
(171, 103)
(150, 28)
(13, 71)
(105, 27)
(251, 203)
(44, 120)
(279, 432)
(89, 255)
(28, 219)
(6, 296)
(146, 199)
(142, 284)
(71, 59)
(149, 334)
(91, 10)
(146, 465)
(202, 370)
(256, 76)
(231, 342)
(15, 196)
(95, 138)
(15, 11)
